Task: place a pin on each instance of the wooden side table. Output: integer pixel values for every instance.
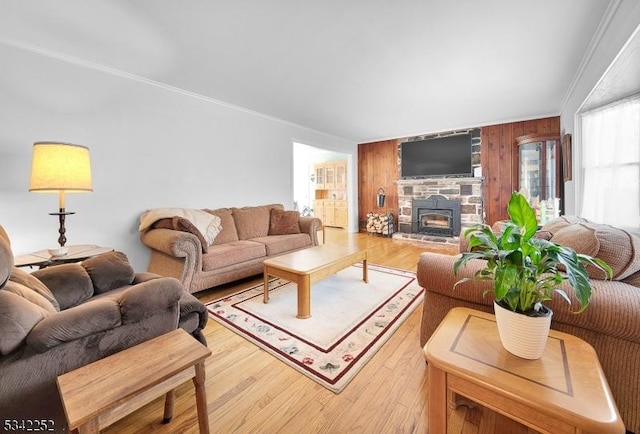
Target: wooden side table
(98, 394)
(565, 391)
(76, 253)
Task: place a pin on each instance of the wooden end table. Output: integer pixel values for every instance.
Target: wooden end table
(310, 265)
(76, 253)
(100, 393)
(565, 391)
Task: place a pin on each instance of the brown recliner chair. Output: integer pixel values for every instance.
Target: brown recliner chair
(57, 319)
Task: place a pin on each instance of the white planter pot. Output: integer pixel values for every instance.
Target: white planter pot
(522, 335)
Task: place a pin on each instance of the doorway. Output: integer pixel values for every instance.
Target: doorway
(304, 182)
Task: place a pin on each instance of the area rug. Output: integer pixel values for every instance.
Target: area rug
(350, 320)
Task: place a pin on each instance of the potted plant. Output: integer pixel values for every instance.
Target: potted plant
(526, 271)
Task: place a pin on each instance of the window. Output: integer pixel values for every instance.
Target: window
(611, 164)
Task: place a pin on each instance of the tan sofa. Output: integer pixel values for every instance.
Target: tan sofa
(611, 323)
(246, 238)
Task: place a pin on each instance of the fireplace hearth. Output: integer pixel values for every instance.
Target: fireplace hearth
(436, 215)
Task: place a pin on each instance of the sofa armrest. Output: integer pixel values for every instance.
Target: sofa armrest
(435, 274)
(311, 226)
(174, 254)
(174, 243)
(74, 323)
(147, 298)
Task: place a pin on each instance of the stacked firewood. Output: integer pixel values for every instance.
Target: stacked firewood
(379, 223)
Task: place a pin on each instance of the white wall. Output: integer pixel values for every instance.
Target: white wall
(623, 22)
(150, 147)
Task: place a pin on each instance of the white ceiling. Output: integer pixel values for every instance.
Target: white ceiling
(363, 70)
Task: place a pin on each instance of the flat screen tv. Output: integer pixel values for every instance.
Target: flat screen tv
(441, 156)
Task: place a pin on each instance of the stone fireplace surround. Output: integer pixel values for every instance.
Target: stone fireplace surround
(467, 190)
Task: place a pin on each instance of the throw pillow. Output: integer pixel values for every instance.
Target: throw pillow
(69, 283)
(165, 223)
(109, 271)
(284, 222)
(184, 225)
(252, 221)
(228, 232)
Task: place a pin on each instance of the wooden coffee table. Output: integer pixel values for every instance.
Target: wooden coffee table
(310, 265)
(98, 394)
(565, 391)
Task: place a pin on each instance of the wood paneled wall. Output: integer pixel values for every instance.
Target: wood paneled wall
(377, 167)
(498, 158)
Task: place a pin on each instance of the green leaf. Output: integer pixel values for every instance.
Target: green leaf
(523, 215)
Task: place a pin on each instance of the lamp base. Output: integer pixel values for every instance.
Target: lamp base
(62, 214)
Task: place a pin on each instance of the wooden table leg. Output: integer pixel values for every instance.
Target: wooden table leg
(169, 399)
(365, 273)
(201, 398)
(304, 297)
(265, 297)
(437, 400)
(91, 427)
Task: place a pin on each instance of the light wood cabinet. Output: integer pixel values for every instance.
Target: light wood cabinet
(331, 203)
(341, 212)
(318, 209)
(341, 175)
(320, 176)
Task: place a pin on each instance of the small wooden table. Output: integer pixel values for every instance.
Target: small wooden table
(310, 265)
(96, 395)
(565, 391)
(76, 253)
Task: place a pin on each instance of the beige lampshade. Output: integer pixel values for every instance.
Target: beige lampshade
(60, 167)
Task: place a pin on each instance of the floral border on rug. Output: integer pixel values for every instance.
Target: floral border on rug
(328, 365)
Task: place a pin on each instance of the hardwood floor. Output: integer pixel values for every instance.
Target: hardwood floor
(250, 391)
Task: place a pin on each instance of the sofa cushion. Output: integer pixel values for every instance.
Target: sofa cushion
(616, 247)
(228, 230)
(109, 271)
(232, 253)
(283, 222)
(6, 259)
(634, 279)
(278, 244)
(558, 223)
(30, 295)
(253, 221)
(581, 238)
(69, 283)
(28, 280)
(17, 317)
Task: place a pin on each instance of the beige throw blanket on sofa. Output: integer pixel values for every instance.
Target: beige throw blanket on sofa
(208, 224)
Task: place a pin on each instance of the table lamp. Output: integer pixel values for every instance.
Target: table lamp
(60, 168)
